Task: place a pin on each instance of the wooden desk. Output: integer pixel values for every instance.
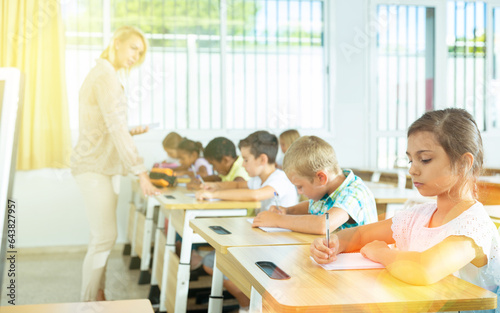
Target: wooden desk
(385, 196)
(489, 190)
(170, 273)
(313, 289)
(242, 235)
(121, 306)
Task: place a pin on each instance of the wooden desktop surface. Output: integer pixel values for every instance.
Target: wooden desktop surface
(184, 199)
(393, 195)
(313, 289)
(243, 234)
(121, 306)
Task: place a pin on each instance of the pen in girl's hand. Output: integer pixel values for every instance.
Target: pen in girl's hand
(327, 218)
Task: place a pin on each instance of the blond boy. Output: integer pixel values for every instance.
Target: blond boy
(311, 165)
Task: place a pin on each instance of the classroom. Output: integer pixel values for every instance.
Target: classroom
(227, 155)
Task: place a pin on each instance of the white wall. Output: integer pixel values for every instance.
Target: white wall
(51, 211)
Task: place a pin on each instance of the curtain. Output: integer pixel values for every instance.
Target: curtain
(31, 39)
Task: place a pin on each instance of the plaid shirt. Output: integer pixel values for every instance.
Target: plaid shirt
(353, 197)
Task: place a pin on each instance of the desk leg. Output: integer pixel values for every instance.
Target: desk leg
(215, 303)
(169, 247)
(154, 291)
(134, 260)
(255, 302)
(145, 277)
(184, 270)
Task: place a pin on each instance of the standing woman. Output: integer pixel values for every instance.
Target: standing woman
(105, 150)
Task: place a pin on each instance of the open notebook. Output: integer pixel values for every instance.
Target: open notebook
(270, 229)
(350, 261)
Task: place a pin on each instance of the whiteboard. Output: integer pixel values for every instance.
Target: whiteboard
(10, 107)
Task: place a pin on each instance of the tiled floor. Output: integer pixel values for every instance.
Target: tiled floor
(54, 277)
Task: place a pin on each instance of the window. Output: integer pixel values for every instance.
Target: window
(408, 79)
(405, 75)
(270, 72)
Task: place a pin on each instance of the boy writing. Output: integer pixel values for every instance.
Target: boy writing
(258, 152)
(311, 165)
(221, 154)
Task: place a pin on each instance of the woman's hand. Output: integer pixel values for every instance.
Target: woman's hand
(321, 253)
(139, 130)
(148, 189)
(277, 209)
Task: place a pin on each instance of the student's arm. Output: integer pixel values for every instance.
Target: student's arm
(226, 185)
(212, 178)
(241, 194)
(300, 208)
(429, 266)
(202, 171)
(351, 239)
(309, 224)
(239, 178)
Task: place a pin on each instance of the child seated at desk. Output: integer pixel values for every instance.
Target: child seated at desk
(258, 151)
(221, 154)
(189, 153)
(311, 165)
(170, 144)
(454, 235)
(286, 139)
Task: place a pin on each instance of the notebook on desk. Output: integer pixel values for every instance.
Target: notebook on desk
(270, 229)
(350, 261)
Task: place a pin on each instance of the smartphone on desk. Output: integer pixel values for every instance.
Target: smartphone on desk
(220, 230)
(272, 270)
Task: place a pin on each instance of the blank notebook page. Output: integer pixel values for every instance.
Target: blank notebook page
(350, 261)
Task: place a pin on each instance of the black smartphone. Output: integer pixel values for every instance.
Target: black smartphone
(272, 270)
(169, 197)
(219, 230)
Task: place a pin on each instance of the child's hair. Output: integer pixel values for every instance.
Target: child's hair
(191, 146)
(289, 136)
(172, 140)
(121, 34)
(310, 154)
(457, 132)
(218, 148)
(261, 142)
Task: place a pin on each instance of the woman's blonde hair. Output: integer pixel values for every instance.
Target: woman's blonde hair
(121, 34)
(309, 155)
(289, 136)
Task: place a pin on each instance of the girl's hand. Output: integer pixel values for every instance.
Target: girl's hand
(204, 195)
(321, 253)
(139, 130)
(280, 210)
(147, 187)
(374, 249)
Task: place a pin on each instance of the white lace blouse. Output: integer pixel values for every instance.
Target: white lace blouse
(412, 234)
